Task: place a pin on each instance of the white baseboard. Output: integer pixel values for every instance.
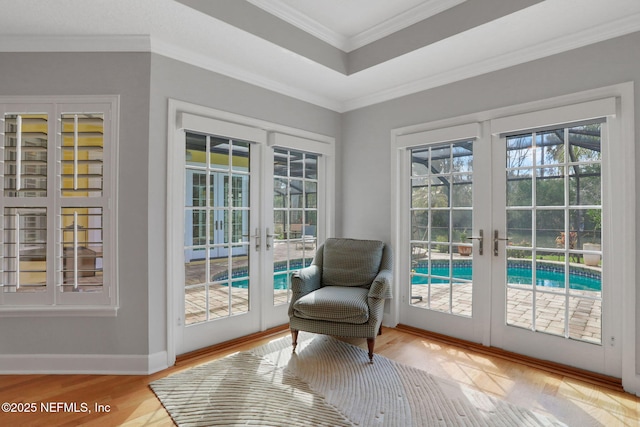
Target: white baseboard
(98, 364)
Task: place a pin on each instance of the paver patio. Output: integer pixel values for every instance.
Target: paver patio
(585, 314)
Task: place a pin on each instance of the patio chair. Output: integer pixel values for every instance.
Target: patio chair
(342, 292)
(308, 237)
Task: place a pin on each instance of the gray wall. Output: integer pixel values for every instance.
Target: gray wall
(366, 132)
(177, 80)
(127, 75)
(144, 82)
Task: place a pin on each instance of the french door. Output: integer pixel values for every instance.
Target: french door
(221, 252)
(507, 240)
(251, 209)
(548, 271)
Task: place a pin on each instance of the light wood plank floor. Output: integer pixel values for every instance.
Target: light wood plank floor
(131, 402)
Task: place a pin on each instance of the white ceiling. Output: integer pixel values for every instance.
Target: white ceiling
(172, 29)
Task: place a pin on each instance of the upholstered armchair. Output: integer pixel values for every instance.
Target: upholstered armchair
(342, 292)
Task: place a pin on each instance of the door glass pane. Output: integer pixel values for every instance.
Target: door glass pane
(196, 150)
(441, 225)
(295, 216)
(216, 228)
(519, 171)
(218, 153)
(554, 271)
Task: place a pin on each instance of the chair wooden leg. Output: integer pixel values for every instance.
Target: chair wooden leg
(294, 339)
(371, 342)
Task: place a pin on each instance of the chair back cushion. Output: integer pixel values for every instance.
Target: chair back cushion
(349, 262)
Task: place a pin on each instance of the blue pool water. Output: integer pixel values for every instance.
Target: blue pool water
(279, 283)
(522, 276)
(516, 275)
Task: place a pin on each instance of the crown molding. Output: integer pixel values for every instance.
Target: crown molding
(294, 17)
(399, 22)
(144, 43)
(412, 16)
(239, 73)
(621, 27)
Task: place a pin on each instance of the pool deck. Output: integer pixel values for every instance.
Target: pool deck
(224, 303)
(584, 307)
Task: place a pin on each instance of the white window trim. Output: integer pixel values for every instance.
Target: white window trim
(617, 99)
(181, 114)
(108, 306)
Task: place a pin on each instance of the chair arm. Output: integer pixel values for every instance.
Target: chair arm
(381, 286)
(305, 280)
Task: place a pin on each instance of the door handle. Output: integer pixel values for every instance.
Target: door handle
(257, 237)
(497, 239)
(269, 239)
(480, 240)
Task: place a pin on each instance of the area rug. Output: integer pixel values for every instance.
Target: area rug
(327, 382)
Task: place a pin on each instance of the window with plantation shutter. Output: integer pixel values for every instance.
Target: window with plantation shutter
(58, 230)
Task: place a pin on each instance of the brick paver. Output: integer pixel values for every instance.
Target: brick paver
(584, 313)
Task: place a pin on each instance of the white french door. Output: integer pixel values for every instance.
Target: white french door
(249, 208)
(294, 218)
(221, 271)
(508, 235)
(444, 267)
(547, 223)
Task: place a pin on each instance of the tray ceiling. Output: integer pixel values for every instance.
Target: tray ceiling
(448, 45)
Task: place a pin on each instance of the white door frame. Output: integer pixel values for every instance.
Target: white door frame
(325, 153)
(183, 115)
(467, 328)
(605, 358)
(622, 218)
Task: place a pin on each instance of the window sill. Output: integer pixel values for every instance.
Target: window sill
(59, 311)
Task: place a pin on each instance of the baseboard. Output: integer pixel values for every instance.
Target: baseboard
(94, 364)
(600, 380)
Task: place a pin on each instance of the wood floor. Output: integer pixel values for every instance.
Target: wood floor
(127, 400)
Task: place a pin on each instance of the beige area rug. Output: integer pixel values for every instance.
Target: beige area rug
(327, 383)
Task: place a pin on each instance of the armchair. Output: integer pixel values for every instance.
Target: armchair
(342, 292)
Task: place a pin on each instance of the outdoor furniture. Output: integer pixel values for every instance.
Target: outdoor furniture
(342, 292)
(308, 237)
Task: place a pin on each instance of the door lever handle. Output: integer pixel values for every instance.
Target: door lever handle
(480, 240)
(497, 239)
(269, 242)
(256, 236)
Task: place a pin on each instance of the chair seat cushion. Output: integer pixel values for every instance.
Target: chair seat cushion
(335, 304)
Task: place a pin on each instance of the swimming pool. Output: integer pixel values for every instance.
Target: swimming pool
(546, 275)
(279, 283)
(280, 278)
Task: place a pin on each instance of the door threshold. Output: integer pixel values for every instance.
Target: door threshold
(229, 345)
